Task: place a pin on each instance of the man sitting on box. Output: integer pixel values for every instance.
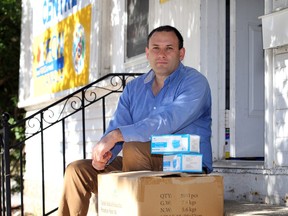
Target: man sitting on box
(170, 99)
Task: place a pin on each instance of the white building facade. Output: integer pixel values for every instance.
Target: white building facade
(239, 45)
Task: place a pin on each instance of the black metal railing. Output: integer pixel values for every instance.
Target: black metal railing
(45, 118)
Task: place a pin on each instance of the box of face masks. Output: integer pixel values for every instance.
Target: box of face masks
(151, 193)
(175, 143)
(183, 163)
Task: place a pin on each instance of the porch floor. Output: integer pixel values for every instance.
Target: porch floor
(235, 208)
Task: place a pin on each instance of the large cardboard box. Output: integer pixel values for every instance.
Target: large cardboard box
(148, 193)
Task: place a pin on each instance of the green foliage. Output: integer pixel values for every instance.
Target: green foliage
(18, 131)
(10, 31)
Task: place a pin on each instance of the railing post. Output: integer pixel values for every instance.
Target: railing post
(7, 190)
(124, 81)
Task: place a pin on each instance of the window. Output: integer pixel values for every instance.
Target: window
(137, 27)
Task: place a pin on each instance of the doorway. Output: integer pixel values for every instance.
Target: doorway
(244, 80)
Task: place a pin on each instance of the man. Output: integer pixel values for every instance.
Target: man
(169, 99)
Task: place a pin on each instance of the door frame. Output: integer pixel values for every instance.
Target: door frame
(232, 65)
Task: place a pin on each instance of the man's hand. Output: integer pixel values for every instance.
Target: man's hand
(101, 151)
(101, 164)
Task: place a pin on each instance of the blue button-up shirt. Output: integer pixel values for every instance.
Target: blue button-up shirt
(183, 106)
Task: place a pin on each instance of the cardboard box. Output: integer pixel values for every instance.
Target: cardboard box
(183, 163)
(175, 143)
(148, 193)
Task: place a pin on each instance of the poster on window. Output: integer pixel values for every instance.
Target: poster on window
(137, 27)
(61, 47)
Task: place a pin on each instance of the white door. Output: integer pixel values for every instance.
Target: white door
(246, 79)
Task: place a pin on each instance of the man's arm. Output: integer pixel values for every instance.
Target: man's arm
(101, 151)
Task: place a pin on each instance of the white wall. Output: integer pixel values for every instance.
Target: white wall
(280, 76)
(276, 64)
(25, 72)
(185, 16)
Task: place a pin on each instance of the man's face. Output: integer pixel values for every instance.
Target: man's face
(163, 52)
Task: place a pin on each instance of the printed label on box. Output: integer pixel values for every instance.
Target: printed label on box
(192, 163)
(171, 163)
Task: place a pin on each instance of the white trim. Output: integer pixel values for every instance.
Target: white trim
(275, 29)
(95, 36)
(26, 58)
(232, 76)
(212, 65)
(269, 109)
(222, 77)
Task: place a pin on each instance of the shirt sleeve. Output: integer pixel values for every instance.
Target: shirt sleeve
(191, 102)
(122, 115)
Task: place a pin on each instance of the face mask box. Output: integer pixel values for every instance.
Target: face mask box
(183, 163)
(146, 193)
(175, 143)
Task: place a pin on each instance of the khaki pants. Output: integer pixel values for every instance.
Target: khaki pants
(80, 178)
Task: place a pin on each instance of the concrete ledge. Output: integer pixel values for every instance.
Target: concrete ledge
(239, 208)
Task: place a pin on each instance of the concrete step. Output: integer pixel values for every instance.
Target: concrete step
(241, 208)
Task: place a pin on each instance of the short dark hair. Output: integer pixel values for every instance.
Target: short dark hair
(167, 28)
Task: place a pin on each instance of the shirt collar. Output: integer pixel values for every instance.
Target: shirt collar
(151, 74)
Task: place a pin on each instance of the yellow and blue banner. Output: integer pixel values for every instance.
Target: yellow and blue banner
(61, 48)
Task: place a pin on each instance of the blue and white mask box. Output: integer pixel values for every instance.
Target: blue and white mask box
(183, 163)
(175, 143)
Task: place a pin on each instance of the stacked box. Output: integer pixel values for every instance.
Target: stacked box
(148, 193)
(175, 143)
(181, 152)
(183, 163)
